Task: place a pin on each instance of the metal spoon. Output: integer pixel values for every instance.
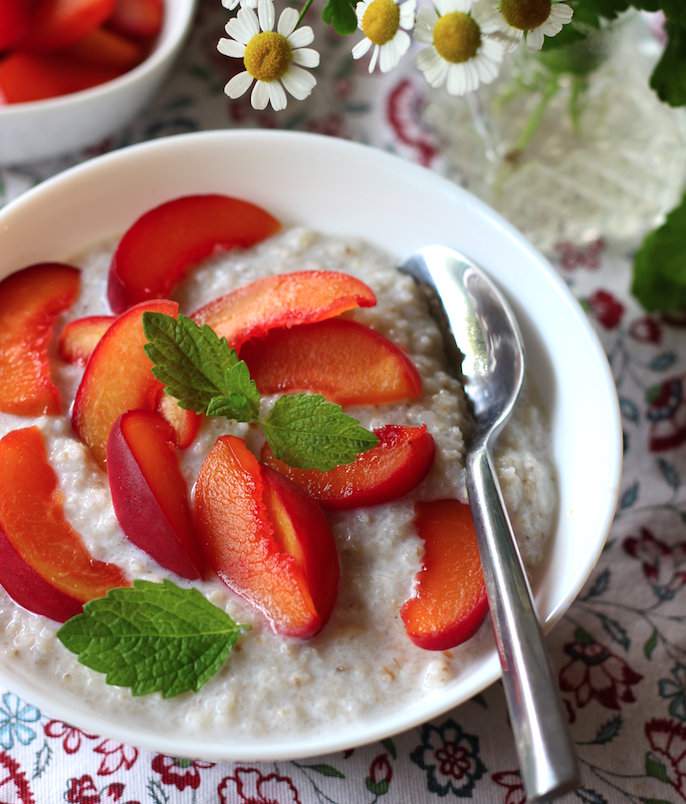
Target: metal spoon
(482, 337)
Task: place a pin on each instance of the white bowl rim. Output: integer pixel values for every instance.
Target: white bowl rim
(320, 745)
(157, 56)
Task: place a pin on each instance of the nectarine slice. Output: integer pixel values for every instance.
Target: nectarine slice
(79, 338)
(59, 23)
(32, 519)
(391, 469)
(118, 378)
(15, 18)
(107, 49)
(30, 302)
(284, 300)
(450, 599)
(346, 362)
(164, 244)
(184, 423)
(140, 19)
(149, 492)
(266, 539)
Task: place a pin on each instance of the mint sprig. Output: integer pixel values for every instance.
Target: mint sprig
(205, 374)
(199, 368)
(309, 432)
(152, 637)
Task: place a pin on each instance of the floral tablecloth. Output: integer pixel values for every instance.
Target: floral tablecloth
(621, 650)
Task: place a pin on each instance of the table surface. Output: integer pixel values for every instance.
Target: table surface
(621, 650)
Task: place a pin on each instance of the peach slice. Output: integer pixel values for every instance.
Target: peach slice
(59, 23)
(15, 19)
(164, 244)
(32, 519)
(184, 423)
(266, 539)
(80, 337)
(30, 302)
(107, 49)
(347, 362)
(284, 300)
(140, 19)
(450, 600)
(149, 492)
(398, 463)
(118, 378)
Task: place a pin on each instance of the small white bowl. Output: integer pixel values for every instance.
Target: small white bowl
(347, 189)
(41, 129)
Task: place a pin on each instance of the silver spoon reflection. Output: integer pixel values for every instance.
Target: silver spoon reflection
(483, 342)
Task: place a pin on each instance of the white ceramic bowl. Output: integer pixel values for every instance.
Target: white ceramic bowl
(342, 188)
(41, 129)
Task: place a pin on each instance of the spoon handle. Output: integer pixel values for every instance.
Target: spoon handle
(546, 755)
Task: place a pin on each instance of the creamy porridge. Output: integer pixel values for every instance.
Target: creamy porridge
(362, 661)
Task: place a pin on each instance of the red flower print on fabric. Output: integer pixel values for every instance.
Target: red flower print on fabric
(83, 790)
(607, 310)
(71, 736)
(404, 116)
(646, 330)
(249, 786)
(512, 782)
(380, 775)
(14, 786)
(180, 773)
(595, 673)
(666, 414)
(663, 565)
(572, 257)
(667, 759)
(115, 756)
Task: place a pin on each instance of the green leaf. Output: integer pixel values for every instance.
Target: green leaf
(152, 637)
(650, 644)
(340, 14)
(615, 630)
(376, 788)
(655, 768)
(309, 432)
(659, 280)
(199, 368)
(669, 77)
(325, 770)
(608, 731)
(389, 745)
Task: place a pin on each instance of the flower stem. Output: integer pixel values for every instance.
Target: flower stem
(536, 116)
(304, 11)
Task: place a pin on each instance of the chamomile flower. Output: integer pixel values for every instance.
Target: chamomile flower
(528, 19)
(461, 54)
(274, 60)
(382, 23)
(231, 4)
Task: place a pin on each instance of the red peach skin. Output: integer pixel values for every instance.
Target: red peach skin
(167, 242)
(149, 492)
(140, 19)
(27, 588)
(347, 362)
(30, 302)
(450, 600)
(15, 18)
(118, 378)
(107, 49)
(79, 338)
(266, 540)
(32, 519)
(26, 77)
(388, 471)
(57, 24)
(284, 300)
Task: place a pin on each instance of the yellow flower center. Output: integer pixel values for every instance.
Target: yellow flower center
(525, 14)
(380, 21)
(457, 37)
(267, 56)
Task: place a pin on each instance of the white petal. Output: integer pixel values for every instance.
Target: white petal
(277, 96)
(361, 48)
(424, 26)
(265, 14)
(433, 66)
(448, 6)
(561, 12)
(249, 19)
(487, 69)
(306, 57)
(237, 29)
(493, 48)
(287, 21)
(360, 9)
(249, 3)
(407, 12)
(534, 39)
(230, 4)
(387, 57)
(302, 37)
(402, 43)
(298, 82)
(229, 47)
(260, 95)
(550, 27)
(238, 85)
(457, 79)
(374, 59)
(472, 76)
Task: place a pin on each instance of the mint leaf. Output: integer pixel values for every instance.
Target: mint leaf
(309, 432)
(659, 280)
(152, 637)
(341, 15)
(199, 368)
